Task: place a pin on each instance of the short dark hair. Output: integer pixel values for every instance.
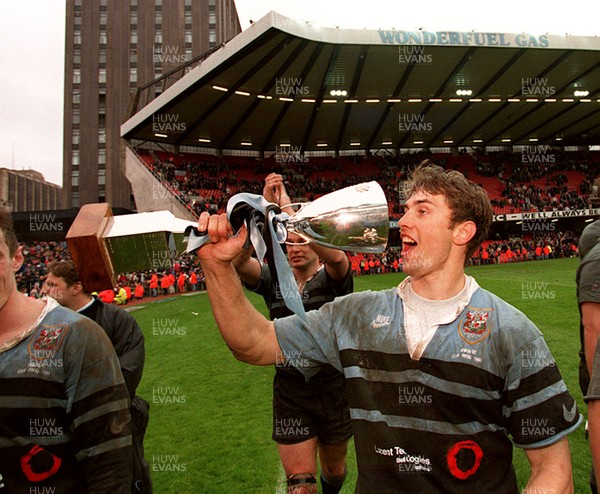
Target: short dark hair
(6, 225)
(65, 270)
(467, 200)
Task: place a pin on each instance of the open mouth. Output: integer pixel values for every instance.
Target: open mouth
(408, 244)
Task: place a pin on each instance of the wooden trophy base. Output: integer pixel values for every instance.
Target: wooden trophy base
(88, 249)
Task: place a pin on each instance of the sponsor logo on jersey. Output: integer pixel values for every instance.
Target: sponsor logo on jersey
(381, 321)
(475, 325)
(569, 415)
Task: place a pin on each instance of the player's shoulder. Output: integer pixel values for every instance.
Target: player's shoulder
(369, 298)
(508, 320)
(73, 325)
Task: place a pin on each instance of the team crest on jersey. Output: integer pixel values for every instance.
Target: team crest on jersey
(475, 325)
(48, 342)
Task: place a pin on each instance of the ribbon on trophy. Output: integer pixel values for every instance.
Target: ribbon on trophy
(353, 219)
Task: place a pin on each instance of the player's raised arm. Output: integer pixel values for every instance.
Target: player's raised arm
(249, 335)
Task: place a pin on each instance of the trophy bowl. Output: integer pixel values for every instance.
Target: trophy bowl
(354, 219)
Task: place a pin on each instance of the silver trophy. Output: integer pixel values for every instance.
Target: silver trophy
(354, 219)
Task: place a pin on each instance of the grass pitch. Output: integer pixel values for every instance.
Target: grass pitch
(210, 416)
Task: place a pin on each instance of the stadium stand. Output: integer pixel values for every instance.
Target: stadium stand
(206, 182)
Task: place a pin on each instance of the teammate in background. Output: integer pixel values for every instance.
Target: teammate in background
(64, 407)
(309, 417)
(588, 298)
(440, 373)
(63, 284)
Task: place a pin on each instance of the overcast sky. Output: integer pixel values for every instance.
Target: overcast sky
(32, 51)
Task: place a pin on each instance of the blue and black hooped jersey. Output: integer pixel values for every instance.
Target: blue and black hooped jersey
(443, 423)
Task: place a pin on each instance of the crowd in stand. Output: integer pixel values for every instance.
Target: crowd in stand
(206, 183)
(518, 171)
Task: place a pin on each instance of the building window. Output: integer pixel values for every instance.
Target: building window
(77, 39)
(102, 136)
(75, 158)
(102, 57)
(158, 39)
(133, 37)
(103, 19)
(76, 76)
(75, 178)
(212, 19)
(188, 37)
(158, 19)
(212, 37)
(133, 75)
(103, 37)
(102, 156)
(75, 114)
(188, 3)
(158, 3)
(75, 136)
(134, 18)
(101, 177)
(133, 3)
(76, 57)
(133, 57)
(102, 76)
(76, 98)
(74, 198)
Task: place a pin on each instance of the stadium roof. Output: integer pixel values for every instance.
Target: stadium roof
(271, 86)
